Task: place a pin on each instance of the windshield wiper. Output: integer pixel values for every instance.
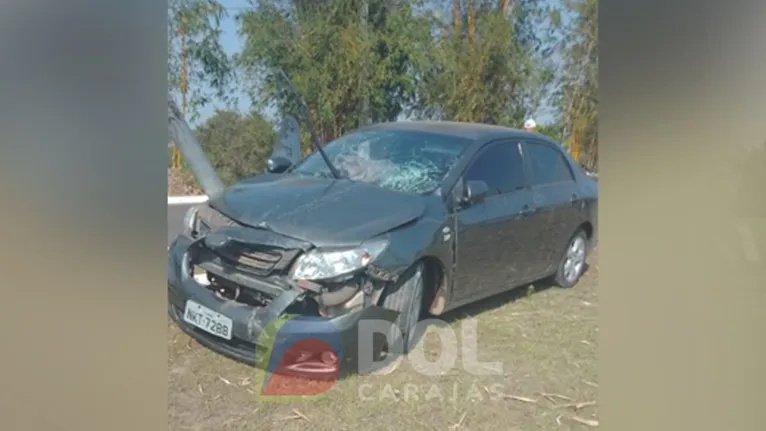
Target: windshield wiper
(314, 139)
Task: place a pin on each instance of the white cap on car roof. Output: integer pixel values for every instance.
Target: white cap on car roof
(530, 124)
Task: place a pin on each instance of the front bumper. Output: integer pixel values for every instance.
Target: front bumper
(262, 336)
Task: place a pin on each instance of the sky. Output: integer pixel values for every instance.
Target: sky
(232, 43)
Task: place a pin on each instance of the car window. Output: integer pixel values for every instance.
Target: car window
(546, 165)
(499, 166)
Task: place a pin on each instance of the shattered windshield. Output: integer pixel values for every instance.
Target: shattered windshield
(400, 160)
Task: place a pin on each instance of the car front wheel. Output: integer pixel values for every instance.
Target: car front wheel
(405, 296)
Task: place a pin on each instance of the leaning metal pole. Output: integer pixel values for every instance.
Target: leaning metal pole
(181, 134)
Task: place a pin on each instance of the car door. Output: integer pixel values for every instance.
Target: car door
(492, 235)
(555, 197)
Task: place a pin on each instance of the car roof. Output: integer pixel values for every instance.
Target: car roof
(472, 131)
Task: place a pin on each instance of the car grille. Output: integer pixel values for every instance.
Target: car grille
(261, 262)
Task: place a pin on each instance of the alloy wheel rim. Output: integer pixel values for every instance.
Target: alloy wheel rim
(575, 259)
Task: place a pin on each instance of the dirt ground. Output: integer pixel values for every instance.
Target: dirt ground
(546, 342)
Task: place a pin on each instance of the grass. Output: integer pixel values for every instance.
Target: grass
(546, 342)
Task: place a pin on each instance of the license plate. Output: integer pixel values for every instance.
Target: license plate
(208, 320)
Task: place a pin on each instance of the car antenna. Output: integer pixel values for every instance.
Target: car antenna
(314, 139)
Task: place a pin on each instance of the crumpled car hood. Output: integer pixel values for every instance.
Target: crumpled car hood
(324, 212)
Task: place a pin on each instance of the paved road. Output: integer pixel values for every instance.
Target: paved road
(175, 219)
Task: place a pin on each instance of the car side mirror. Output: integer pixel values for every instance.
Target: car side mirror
(475, 192)
(278, 164)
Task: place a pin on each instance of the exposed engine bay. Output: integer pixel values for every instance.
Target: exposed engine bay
(252, 267)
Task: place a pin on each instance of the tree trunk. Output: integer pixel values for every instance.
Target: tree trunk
(184, 83)
(471, 20)
(455, 18)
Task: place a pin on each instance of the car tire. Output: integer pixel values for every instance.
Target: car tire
(573, 261)
(406, 297)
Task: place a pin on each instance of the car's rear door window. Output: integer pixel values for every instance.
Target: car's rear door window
(500, 166)
(546, 164)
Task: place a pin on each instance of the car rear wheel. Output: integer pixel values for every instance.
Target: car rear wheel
(572, 263)
(406, 297)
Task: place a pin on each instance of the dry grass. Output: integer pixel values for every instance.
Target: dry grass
(181, 183)
(546, 342)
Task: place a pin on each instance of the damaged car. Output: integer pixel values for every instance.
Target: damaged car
(391, 221)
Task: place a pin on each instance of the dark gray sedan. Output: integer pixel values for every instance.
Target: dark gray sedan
(390, 222)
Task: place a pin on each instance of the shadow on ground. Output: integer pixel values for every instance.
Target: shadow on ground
(501, 299)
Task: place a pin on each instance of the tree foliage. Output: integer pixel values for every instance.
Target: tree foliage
(199, 69)
(236, 144)
(579, 98)
(360, 61)
(352, 61)
(487, 62)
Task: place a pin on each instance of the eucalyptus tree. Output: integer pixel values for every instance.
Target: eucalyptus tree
(579, 96)
(199, 70)
(489, 60)
(352, 60)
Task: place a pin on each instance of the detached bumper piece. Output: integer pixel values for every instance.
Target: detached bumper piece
(273, 330)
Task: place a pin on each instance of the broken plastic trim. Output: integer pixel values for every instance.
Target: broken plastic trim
(326, 295)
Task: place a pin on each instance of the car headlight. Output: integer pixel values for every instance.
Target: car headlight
(325, 264)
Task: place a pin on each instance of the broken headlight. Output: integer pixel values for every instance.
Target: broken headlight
(325, 264)
(190, 222)
(195, 222)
